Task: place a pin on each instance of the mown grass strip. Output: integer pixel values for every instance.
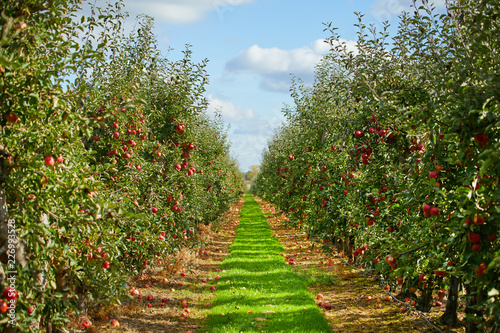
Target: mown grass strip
(258, 291)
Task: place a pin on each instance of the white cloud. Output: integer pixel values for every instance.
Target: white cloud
(385, 9)
(181, 11)
(274, 65)
(230, 112)
(271, 60)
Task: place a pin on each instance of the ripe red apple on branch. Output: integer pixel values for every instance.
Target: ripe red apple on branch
(180, 129)
(12, 118)
(473, 237)
(358, 134)
(10, 293)
(427, 209)
(434, 211)
(49, 161)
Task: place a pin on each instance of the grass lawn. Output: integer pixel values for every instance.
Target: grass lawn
(257, 291)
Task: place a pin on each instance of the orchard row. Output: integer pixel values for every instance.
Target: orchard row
(109, 162)
(392, 157)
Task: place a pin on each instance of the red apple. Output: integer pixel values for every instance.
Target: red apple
(439, 272)
(481, 269)
(9, 293)
(49, 161)
(479, 220)
(426, 208)
(180, 129)
(434, 211)
(390, 259)
(433, 174)
(473, 237)
(12, 118)
(106, 265)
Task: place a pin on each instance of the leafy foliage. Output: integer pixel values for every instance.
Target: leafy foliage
(108, 159)
(394, 152)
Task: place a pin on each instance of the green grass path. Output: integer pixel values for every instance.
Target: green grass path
(257, 279)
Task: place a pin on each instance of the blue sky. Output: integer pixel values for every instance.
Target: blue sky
(252, 47)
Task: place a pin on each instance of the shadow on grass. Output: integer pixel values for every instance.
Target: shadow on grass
(259, 292)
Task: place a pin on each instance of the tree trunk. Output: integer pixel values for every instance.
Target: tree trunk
(474, 298)
(348, 247)
(61, 275)
(425, 301)
(450, 317)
